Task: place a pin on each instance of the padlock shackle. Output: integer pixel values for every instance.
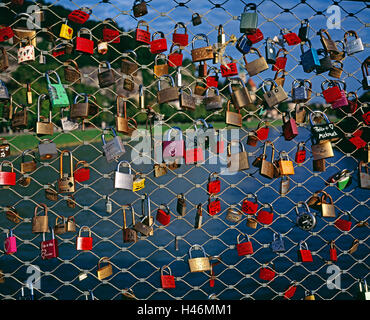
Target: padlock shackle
(42, 206)
(148, 206)
(114, 134)
(331, 83)
(164, 268)
(250, 6)
(306, 206)
(127, 53)
(84, 228)
(178, 49)
(269, 81)
(164, 77)
(102, 63)
(161, 34)
(213, 175)
(40, 99)
(364, 68)
(103, 259)
(119, 113)
(349, 33)
(214, 89)
(253, 195)
(144, 23)
(231, 81)
(160, 56)
(317, 112)
(83, 162)
(268, 142)
(363, 164)
(84, 31)
(303, 244)
(124, 207)
(47, 76)
(83, 95)
(180, 24)
(196, 247)
(125, 164)
(6, 162)
(199, 36)
(228, 106)
(28, 152)
(244, 235)
(263, 207)
(241, 146)
(303, 43)
(301, 83)
(204, 122)
(169, 131)
(61, 163)
(283, 154)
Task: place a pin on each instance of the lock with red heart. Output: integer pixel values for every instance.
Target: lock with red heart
(167, 280)
(214, 205)
(343, 224)
(256, 36)
(142, 35)
(300, 155)
(82, 174)
(181, 39)
(333, 251)
(264, 216)
(214, 186)
(84, 243)
(244, 248)
(163, 215)
(158, 45)
(250, 207)
(267, 273)
(49, 248)
(304, 254)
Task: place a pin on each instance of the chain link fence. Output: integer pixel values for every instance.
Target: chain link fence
(137, 266)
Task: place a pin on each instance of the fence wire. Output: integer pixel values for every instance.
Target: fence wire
(137, 265)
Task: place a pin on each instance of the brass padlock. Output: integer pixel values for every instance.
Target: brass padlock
(198, 264)
(121, 118)
(80, 109)
(181, 204)
(267, 167)
(160, 69)
(319, 165)
(256, 66)
(203, 53)
(50, 193)
(252, 223)
(241, 97)
(66, 184)
(285, 164)
(275, 95)
(72, 72)
(233, 118)
(327, 209)
(129, 234)
(127, 66)
(106, 271)
(28, 166)
(284, 185)
(168, 94)
(44, 128)
(234, 215)
(237, 161)
(145, 226)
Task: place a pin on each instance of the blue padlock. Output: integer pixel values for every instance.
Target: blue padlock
(243, 44)
(309, 59)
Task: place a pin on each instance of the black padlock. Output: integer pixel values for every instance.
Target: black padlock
(325, 61)
(139, 8)
(304, 30)
(195, 19)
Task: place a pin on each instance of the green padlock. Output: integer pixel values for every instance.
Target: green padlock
(249, 19)
(342, 179)
(57, 93)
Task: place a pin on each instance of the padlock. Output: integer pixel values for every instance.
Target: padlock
(213, 102)
(200, 88)
(50, 192)
(230, 69)
(181, 204)
(121, 117)
(81, 174)
(27, 167)
(264, 216)
(199, 264)
(353, 45)
(321, 151)
(167, 280)
(163, 215)
(173, 149)
(108, 205)
(364, 177)
(82, 44)
(218, 144)
(303, 32)
(141, 34)
(336, 70)
(342, 101)
(105, 78)
(291, 38)
(240, 97)
(25, 53)
(80, 109)
(84, 243)
(102, 47)
(270, 51)
(71, 71)
(301, 90)
(49, 248)
(10, 243)
(290, 129)
(129, 234)
(333, 251)
(6, 33)
(198, 217)
(128, 294)
(114, 148)
(290, 292)
(80, 15)
(344, 224)
(128, 65)
(12, 215)
(202, 53)
(195, 154)
(365, 75)
(256, 36)
(309, 295)
(300, 113)
(47, 149)
(111, 35)
(342, 179)
(213, 186)
(158, 45)
(233, 118)
(57, 93)
(128, 82)
(60, 227)
(300, 156)
(234, 215)
(175, 57)
(260, 134)
(66, 32)
(267, 273)
(4, 148)
(267, 167)
(280, 62)
(249, 19)
(160, 69)
(106, 271)
(4, 94)
(24, 32)
(196, 19)
(244, 248)
(145, 226)
(328, 44)
(284, 185)
(325, 62)
(214, 205)
(285, 164)
(7, 178)
(280, 79)
(252, 222)
(167, 94)
(304, 254)
(66, 183)
(243, 44)
(4, 59)
(275, 95)
(187, 101)
(277, 245)
(212, 80)
(354, 246)
(44, 128)
(363, 292)
(309, 59)
(256, 66)
(181, 39)
(237, 161)
(123, 180)
(322, 132)
(71, 202)
(40, 223)
(250, 207)
(139, 8)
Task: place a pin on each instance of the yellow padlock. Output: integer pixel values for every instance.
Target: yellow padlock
(66, 31)
(139, 182)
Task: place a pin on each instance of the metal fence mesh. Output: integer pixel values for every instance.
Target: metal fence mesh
(137, 266)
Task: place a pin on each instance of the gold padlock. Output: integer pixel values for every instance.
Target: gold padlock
(285, 165)
(309, 296)
(198, 264)
(106, 271)
(66, 184)
(327, 209)
(252, 223)
(139, 182)
(66, 31)
(121, 117)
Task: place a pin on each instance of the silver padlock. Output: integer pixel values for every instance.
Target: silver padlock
(123, 180)
(67, 124)
(114, 148)
(47, 149)
(277, 245)
(108, 205)
(353, 45)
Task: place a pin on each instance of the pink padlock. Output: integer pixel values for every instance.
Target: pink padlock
(10, 244)
(342, 101)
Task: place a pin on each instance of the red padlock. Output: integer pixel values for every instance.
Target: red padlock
(49, 248)
(158, 45)
(267, 273)
(173, 149)
(290, 130)
(6, 33)
(82, 174)
(256, 36)
(230, 69)
(304, 255)
(109, 34)
(212, 80)
(358, 142)
(332, 93)
(244, 248)
(214, 205)
(215, 185)
(291, 38)
(141, 34)
(248, 206)
(366, 118)
(84, 243)
(333, 251)
(84, 45)
(163, 215)
(265, 217)
(10, 243)
(300, 155)
(262, 132)
(7, 178)
(289, 293)
(80, 15)
(181, 39)
(167, 280)
(344, 225)
(194, 155)
(175, 57)
(219, 147)
(280, 62)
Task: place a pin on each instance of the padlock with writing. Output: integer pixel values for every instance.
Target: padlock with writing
(243, 44)
(280, 61)
(214, 205)
(173, 149)
(4, 148)
(105, 271)
(167, 280)
(181, 39)
(198, 264)
(353, 45)
(57, 93)
(248, 206)
(114, 148)
(291, 38)
(264, 216)
(80, 15)
(66, 32)
(214, 186)
(49, 248)
(304, 29)
(202, 53)
(229, 69)
(110, 32)
(244, 248)
(300, 155)
(142, 35)
(158, 45)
